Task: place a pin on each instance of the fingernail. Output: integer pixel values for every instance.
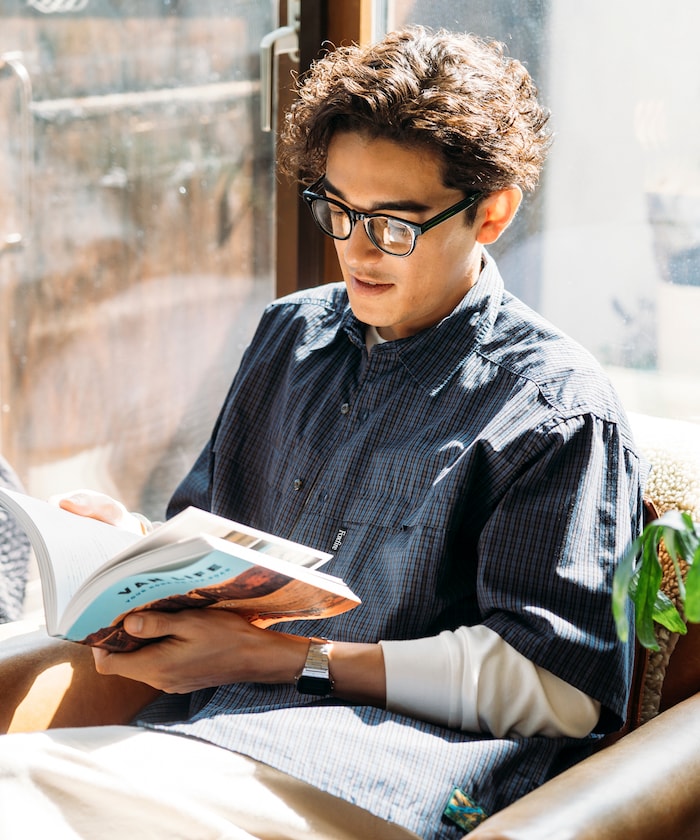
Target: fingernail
(79, 499)
(135, 624)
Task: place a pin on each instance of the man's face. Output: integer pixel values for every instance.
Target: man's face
(400, 295)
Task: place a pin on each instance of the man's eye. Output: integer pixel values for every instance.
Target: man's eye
(396, 231)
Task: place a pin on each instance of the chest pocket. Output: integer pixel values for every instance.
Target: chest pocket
(401, 538)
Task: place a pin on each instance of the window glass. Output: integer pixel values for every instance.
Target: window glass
(136, 221)
(609, 246)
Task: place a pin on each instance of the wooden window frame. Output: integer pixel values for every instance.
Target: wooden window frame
(304, 256)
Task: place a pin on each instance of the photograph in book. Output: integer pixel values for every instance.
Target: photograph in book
(94, 574)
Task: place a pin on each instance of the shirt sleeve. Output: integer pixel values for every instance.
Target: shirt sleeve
(456, 679)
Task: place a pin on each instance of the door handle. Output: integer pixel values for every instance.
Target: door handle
(11, 63)
(281, 41)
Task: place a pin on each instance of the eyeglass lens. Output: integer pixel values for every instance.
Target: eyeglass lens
(387, 234)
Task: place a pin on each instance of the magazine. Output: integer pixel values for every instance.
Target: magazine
(93, 574)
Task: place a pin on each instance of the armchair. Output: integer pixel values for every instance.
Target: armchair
(644, 783)
(47, 683)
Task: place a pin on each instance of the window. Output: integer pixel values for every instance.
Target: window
(609, 246)
(136, 234)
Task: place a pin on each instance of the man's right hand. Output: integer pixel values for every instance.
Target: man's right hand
(100, 506)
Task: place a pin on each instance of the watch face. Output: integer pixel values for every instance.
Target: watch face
(318, 686)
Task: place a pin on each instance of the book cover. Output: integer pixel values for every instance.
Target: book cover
(94, 574)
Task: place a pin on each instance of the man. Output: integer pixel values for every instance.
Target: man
(469, 467)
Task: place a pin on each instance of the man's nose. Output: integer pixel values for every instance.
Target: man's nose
(359, 248)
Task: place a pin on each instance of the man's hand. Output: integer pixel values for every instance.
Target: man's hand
(100, 506)
(208, 647)
(202, 648)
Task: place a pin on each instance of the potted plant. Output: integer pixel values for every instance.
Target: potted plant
(638, 578)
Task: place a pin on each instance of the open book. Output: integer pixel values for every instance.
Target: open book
(93, 574)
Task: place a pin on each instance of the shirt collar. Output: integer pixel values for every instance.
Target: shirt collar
(435, 354)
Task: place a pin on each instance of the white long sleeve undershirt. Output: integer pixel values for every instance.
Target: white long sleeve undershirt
(472, 679)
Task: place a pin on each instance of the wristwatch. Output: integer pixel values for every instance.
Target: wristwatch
(315, 677)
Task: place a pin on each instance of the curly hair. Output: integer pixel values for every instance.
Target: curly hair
(456, 94)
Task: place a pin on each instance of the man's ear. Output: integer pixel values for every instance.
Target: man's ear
(496, 212)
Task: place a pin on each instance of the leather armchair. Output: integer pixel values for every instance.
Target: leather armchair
(643, 784)
(47, 683)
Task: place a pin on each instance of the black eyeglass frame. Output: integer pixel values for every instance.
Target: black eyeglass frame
(310, 195)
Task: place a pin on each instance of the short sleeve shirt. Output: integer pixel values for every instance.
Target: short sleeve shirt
(479, 472)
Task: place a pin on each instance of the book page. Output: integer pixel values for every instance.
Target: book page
(192, 521)
(68, 548)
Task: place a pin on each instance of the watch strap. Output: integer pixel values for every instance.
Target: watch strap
(315, 677)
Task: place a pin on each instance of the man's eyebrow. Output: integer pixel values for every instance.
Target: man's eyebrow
(401, 205)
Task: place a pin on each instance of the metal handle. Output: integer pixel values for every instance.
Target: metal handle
(281, 41)
(12, 63)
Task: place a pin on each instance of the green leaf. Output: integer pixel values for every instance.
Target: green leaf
(672, 546)
(666, 614)
(671, 519)
(622, 581)
(688, 539)
(649, 580)
(692, 589)
(639, 575)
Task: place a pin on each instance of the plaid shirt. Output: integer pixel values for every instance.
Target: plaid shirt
(481, 471)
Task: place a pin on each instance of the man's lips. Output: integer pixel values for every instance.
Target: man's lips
(368, 282)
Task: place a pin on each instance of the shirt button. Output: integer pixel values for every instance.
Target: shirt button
(345, 408)
(298, 484)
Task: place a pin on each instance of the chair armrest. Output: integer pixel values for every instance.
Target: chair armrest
(645, 786)
(47, 683)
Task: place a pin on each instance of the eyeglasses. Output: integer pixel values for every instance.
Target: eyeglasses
(393, 236)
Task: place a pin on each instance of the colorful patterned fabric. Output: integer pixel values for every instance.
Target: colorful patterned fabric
(14, 554)
(463, 811)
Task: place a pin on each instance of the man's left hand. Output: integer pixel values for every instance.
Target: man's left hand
(201, 648)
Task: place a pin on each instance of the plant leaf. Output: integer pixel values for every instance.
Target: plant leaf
(671, 519)
(649, 580)
(621, 585)
(692, 589)
(639, 574)
(671, 541)
(666, 614)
